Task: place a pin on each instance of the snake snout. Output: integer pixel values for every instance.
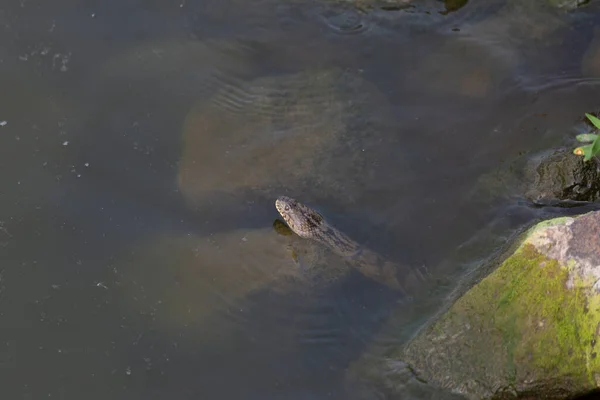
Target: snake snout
(284, 204)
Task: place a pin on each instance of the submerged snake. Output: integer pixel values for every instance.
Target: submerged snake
(309, 224)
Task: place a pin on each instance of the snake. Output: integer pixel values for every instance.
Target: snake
(309, 224)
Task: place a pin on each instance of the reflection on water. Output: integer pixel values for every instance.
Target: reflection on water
(144, 146)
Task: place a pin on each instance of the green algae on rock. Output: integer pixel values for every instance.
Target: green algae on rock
(530, 327)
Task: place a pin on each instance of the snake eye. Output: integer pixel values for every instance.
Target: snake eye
(287, 208)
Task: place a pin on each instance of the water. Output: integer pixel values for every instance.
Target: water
(145, 144)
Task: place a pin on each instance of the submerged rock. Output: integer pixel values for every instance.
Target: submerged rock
(568, 4)
(186, 281)
(530, 328)
(302, 130)
(389, 5)
(442, 7)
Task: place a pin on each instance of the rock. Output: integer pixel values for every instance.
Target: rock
(567, 4)
(393, 377)
(534, 20)
(561, 178)
(484, 69)
(268, 124)
(446, 7)
(454, 5)
(389, 5)
(474, 74)
(549, 178)
(187, 280)
(291, 130)
(530, 328)
(428, 7)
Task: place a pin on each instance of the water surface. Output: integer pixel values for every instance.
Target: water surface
(145, 144)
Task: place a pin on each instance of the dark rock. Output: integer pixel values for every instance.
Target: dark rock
(568, 4)
(561, 178)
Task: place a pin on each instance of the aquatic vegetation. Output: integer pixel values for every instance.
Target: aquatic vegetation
(589, 150)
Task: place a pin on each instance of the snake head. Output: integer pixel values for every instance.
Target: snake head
(301, 219)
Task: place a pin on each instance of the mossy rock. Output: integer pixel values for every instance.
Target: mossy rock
(530, 328)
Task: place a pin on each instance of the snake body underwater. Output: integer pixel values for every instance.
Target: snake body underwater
(309, 224)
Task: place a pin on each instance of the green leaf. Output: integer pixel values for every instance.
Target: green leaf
(586, 137)
(595, 149)
(593, 120)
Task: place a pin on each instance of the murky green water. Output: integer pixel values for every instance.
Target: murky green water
(142, 146)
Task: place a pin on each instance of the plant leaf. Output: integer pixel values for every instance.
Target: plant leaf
(593, 120)
(586, 137)
(595, 148)
(585, 151)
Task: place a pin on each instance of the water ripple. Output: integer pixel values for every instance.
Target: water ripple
(271, 98)
(344, 21)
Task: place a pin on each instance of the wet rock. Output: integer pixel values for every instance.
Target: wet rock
(395, 376)
(530, 328)
(389, 5)
(561, 178)
(550, 178)
(454, 5)
(443, 7)
(568, 4)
